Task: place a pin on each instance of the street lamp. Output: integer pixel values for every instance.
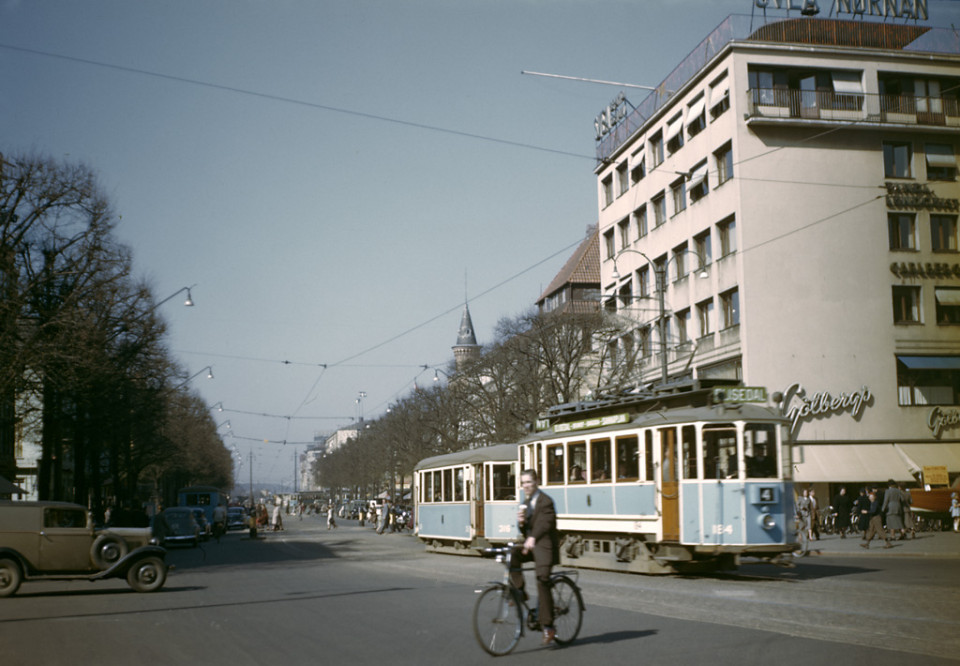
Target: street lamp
(209, 370)
(188, 302)
(660, 271)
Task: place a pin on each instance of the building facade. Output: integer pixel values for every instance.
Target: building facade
(783, 211)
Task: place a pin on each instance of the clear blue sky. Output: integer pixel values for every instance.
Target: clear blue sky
(327, 173)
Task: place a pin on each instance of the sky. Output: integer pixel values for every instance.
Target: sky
(335, 179)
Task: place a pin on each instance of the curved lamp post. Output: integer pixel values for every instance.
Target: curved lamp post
(188, 302)
(209, 371)
(661, 284)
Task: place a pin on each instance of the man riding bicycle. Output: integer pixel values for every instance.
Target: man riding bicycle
(537, 520)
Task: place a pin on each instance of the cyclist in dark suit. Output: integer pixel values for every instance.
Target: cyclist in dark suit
(538, 525)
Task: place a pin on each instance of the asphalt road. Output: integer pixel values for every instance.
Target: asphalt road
(308, 596)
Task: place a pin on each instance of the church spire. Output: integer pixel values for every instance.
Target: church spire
(466, 349)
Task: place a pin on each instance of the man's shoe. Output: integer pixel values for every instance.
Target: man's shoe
(549, 636)
(889, 545)
(865, 545)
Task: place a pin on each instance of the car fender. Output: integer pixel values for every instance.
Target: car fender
(123, 565)
(11, 554)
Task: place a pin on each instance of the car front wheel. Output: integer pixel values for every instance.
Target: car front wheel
(10, 577)
(147, 575)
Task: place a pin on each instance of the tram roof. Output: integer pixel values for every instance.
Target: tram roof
(492, 453)
(655, 416)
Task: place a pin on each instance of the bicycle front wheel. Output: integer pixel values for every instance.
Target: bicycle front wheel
(497, 622)
(567, 610)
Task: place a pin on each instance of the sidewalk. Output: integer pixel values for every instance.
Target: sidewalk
(927, 544)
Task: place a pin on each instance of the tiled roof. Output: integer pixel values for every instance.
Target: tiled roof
(583, 266)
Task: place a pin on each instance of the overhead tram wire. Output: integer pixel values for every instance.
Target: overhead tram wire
(299, 102)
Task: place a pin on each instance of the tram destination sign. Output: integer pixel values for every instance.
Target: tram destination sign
(587, 424)
(738, 394)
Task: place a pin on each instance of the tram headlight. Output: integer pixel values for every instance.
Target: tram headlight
(767, 521)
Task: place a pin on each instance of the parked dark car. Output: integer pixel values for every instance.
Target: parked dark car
(57, 540)
(179, 526)
(236, 518)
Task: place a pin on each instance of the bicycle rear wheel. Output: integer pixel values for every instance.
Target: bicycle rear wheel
(567, 609)
(497, 622)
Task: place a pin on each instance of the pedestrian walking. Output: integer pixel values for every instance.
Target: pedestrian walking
(876, 523)
(843, 505)
(331, 523)
(861, 509)
(893, 508)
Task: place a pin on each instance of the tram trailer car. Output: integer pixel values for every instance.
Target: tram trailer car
(202, 497)
(467, 500)
(671, 483)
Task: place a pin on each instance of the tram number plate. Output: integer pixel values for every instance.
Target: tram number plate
(720, 528)
(505, 529)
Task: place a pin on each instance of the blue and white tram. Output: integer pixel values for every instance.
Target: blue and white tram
(666, 483)
(467, 500)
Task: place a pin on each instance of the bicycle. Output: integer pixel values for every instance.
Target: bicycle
(501, 613)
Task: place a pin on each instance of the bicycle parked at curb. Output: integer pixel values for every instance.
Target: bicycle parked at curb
(501, 613)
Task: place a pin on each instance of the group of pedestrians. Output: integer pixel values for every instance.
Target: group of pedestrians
(876, 515)
(873, 514)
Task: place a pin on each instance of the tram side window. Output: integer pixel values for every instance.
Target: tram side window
(458, 485)
(504, 482)
(760, 450)
(435, 497)
(555, 464)
(648, 456)
(688, 450)
(720, 452)
(577, 459)
(600, 468)
(628, 459)
(448, 485)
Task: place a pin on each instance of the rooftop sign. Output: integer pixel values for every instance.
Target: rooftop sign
(915, 9)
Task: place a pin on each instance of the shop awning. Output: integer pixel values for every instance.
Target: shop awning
(719, 92)
(674, 127)
(947, 296)
(838, 463)
(919, 456)
(697, 176)
(941, 155)
(931, 362)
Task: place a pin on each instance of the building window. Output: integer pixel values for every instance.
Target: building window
(683, 319)
(703, 248)
(624, 228)
(719, 96)
(625, 295)
(678, 192)
(903, 231)
(640, 219)
(639, 171)
(643, 281)
(696, 115)
(897, 158)
(724, 161)
(928, 380)
(943, 233)
(608, 246)
(656, 150)
(645, 342)
(906, 305)
(623, 181)
(659, 209)
(728, 236)
(705, 317)
(941, 162)
(730, 304)
(674, 135)
(948, 305)
(680, 262)
(699, 183)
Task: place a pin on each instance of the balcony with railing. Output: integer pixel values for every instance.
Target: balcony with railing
(780, 104)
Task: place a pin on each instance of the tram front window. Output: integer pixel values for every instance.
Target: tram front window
(760, 450)
(720, 452)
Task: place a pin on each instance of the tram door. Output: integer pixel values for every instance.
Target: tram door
(669, 485)
(480, 475)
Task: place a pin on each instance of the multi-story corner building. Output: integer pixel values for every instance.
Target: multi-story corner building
(795, 184)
